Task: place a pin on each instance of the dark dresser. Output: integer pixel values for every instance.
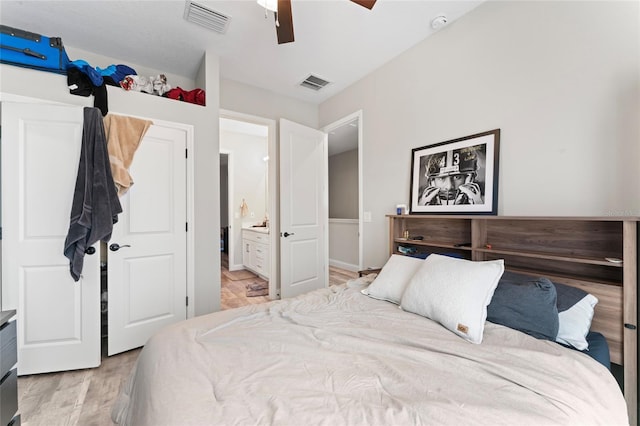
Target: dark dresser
(8, 370)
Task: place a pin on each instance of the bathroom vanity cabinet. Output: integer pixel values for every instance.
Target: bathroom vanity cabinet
(255, 250)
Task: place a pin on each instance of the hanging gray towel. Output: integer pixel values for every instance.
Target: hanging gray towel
(95, 205)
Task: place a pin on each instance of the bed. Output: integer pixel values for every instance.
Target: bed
(362, 353)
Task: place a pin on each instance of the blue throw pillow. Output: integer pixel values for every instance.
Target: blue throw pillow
(598, 349)
(527, 304)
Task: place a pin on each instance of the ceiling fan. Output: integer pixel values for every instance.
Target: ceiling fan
(284, 18)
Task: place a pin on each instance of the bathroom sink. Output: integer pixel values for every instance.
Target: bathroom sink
(261, 229)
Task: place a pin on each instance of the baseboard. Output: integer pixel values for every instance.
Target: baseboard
(343, 265)
(239, 267)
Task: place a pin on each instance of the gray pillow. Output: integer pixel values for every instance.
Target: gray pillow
(568, 296)
(527, 304)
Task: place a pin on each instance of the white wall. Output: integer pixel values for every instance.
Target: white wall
(561, 79)
(248, 182)
(239, 97)
(53, 87)
(343, 185)
(343, 243)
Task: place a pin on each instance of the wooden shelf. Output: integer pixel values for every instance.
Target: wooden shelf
(536, 255)
(422, 217)
(564, 278)
(423, 243)
(541, 255)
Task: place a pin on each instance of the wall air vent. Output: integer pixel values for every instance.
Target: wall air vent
(314, 82)
(208, 18)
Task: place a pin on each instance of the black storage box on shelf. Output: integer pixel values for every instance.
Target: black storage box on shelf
(31, 50)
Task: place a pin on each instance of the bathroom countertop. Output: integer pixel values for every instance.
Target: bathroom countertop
(260, 229)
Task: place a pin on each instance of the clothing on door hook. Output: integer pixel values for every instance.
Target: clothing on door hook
(244, 208)
(95, 205)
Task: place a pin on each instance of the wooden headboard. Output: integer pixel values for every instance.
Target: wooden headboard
(595, 254)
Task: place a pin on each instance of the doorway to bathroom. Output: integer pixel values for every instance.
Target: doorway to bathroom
(245, 206)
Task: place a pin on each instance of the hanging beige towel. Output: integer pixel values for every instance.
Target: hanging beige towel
(123, 138)
(244, 208)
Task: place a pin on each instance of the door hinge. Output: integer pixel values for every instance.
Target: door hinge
(186, 227)
(187, 300)
(186, 153)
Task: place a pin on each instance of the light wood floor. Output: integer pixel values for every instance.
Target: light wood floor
(85, 397)
(340, 276)
(233, 293)
(81, 397)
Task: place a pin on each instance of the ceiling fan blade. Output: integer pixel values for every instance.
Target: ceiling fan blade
(365, 3)
(284, 20)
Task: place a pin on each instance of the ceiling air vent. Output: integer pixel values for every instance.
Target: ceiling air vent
(198, 14)
(314, 82)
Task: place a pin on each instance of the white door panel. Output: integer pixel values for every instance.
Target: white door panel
(150, 279)
(153, 172)
(303, 209)
(147, 280)
(304, 255)
(58, 318)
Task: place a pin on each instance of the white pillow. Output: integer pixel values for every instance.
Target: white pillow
(393, 278)
(454, 292)
(575, 322)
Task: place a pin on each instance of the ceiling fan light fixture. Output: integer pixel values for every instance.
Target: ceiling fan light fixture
(271, 5)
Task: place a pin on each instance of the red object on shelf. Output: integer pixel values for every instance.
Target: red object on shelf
(195, 96)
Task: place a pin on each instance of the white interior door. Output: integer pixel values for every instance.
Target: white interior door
(303, 209)
(147, 276)
(58, 318)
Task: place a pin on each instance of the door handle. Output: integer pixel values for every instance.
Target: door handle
(116, 246)
(90, 250)
(286, 234)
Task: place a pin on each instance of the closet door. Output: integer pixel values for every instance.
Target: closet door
(58, 318)
(147, 255)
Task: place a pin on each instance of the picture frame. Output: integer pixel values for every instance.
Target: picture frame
(458, 176)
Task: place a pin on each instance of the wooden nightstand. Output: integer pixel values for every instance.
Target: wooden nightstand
(8, 370)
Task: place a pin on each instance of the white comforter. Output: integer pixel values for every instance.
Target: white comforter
(336, 357)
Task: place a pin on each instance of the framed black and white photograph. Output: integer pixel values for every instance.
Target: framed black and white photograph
(459, 176)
